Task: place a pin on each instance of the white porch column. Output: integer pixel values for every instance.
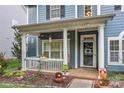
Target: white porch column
(101, 46)
(23, 51)
(65, 54)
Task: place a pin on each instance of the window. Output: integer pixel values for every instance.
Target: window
(46, 49)
(88, 10)
(55, 11)
(31, 46)
(56, 49)
(114, 51)
(117, 7)
(53, 49)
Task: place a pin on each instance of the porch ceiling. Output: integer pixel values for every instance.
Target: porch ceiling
(84, 22)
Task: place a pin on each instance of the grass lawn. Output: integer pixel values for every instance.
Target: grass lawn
(11, 86)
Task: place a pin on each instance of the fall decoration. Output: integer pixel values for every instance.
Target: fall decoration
(58, 77)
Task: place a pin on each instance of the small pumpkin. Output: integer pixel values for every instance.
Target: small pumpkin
(58, 77)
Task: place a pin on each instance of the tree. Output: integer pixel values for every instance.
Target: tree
(16, 49)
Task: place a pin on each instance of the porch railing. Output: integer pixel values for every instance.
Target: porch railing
(43, 65)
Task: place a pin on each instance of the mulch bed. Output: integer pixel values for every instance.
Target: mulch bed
(45, 79)
(112, 84)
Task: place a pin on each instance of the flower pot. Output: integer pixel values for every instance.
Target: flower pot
(103, 83)
(103, 86)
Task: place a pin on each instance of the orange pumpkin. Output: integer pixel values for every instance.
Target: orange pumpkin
(103, 75)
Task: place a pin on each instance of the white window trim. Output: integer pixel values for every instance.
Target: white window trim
(50, 48)
(37, 13)
(91, 11)
(122, 7)
(120, 38)
(98, 9)
(56, 18)
(76, 11)
(27, 14)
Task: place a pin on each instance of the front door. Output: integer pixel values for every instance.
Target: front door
(88, 51)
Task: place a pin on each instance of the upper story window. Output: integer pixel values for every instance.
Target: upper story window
(88, 10)
(54, 11)
(117, 7)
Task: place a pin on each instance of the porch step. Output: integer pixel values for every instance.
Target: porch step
(84, 73)
(84, 77)
(81, 83)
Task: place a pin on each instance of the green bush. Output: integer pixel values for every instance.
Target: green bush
(33, 78)
(8, 73)
(14, 64)
(19, 73)
(114, 76)
(3, 62)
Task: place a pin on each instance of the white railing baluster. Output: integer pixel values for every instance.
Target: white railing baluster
(49, 65)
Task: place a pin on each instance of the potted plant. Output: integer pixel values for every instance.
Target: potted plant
(102, 81)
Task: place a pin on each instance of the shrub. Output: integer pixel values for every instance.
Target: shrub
(19, 73)
(33, 78)
(14, 64)
(3, 62)
(8, 73)
(115, 76)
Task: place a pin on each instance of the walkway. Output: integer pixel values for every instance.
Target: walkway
(84, 73)
(81, 83)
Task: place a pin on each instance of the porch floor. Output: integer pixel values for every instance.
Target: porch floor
(84, 73)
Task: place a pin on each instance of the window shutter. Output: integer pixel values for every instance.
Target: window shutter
(47, 12)
(62, 11)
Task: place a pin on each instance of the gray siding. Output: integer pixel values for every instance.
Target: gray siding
(112, 29)
(39, 47)
(72, 49)
(69, 12)
(81, 10)
(32, 14)
(107, 9)
(94, 10)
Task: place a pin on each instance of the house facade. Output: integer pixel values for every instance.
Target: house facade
(7, 20)
(89, 36)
